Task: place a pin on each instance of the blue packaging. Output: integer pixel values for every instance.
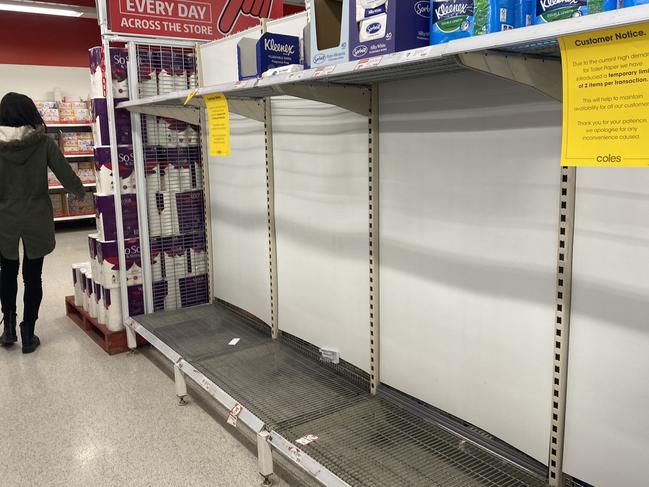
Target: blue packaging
(523, 13)
(456, 19)
(633, 3)
(552, 10)
(378, 27)
(277, 50)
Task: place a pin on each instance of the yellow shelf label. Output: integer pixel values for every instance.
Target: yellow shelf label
(606, 98)
(218, 119)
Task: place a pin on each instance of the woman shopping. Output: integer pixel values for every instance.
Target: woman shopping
(26, 211)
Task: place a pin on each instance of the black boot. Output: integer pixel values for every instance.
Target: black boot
(9, 337)
(30, 341)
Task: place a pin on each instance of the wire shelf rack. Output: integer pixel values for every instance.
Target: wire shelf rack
(175, 186)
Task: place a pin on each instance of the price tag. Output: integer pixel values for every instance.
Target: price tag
(245, 84)
(297, 76)
(233, 417)
(372, 62)
(305, 440)
(324, 71)
(295, 454)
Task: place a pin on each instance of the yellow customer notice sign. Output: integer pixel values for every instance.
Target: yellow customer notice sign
(606, 98)
(218, 120)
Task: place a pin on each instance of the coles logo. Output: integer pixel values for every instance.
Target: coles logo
(373, 28)
(318, 58)
(359, 51)
(422, 9)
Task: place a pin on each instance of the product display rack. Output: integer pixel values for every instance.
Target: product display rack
(54, 188)
(527, 56)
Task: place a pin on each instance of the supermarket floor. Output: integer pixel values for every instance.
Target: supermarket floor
(70, 415)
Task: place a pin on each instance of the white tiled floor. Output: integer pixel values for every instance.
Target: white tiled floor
(71, 415)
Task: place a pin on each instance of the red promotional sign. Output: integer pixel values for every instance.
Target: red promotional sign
(190, 19)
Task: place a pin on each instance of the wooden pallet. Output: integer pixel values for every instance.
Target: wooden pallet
(112, 342)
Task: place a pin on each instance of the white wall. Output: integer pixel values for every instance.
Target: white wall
(239, 220)
(469, 202)
(39, 82)
(322, 226)
(607, 420)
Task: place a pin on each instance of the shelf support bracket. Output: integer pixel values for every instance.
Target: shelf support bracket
(542, 74)
(265, 457)
(181, 385)
(252, 108)
(353, 98)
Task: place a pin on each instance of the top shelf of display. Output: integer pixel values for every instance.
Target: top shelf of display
(539, 41)
(71, 112)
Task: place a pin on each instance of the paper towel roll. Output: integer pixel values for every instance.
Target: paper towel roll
(163, 216)
(99, 298)
(77, 281)
(113, 309)
(90, 296)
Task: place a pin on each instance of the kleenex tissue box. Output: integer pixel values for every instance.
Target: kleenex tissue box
(329, 32)
(380, 27)
(269, 52)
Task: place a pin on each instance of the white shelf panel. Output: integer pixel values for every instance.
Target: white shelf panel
(77, 156)
(538, 39)
(73, 217)
(67, 125)
(85, 185)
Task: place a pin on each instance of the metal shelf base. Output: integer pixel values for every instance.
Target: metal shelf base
(363, 440)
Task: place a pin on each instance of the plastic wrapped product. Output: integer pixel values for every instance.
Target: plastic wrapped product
(104, 170)
(551, 10)
(523, 13)
(90, 296)
(99, 298)
(456, 19)
(113, 309)
(77, 280)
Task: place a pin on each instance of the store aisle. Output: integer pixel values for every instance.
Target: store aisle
(73, 416)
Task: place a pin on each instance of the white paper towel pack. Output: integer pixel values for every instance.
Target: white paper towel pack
(90, 296)
(163, 214)
(99, 303)
(113, 309)
(77, 277)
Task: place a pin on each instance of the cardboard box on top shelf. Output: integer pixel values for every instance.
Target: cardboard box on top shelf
(271, 51)
(329, 32)
(379, 27)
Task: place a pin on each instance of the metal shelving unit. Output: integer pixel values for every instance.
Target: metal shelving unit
(370, 438)
(85, 185)
(55, 188)
(528, 55)
(74, 217)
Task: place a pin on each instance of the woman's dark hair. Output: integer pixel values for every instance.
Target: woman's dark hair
(18, 110)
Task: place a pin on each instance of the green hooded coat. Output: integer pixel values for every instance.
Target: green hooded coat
(25, 207)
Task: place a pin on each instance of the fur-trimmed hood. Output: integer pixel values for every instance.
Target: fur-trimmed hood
(17, 144)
